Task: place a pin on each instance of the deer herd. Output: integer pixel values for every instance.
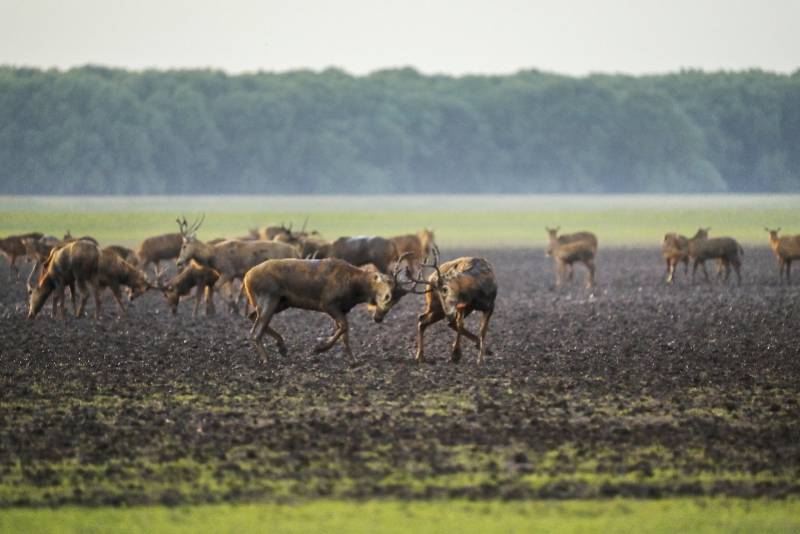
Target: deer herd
(279, 269)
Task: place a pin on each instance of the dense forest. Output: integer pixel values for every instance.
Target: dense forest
(97, 130)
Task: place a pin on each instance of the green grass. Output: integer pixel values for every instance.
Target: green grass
(618, 515)
(492, 221)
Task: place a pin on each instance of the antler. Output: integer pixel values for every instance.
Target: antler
(409, 279)
(182, 225)
(305, 222)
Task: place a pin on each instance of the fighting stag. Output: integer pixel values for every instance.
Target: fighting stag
(455, 289)
(231, 258)
(786, 249)
(330, 286)
(580, 247)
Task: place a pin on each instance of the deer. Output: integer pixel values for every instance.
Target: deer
(123, 252)
(160, 248)
(74, 263)
(12, 248)
(360, 251)
(726, 250)
(332, 286)
(786, 249)
(193, 275)
(38, 250)
(674, 250)
(571, 248)
(231, 258)
(69, 238)
(455, 289)
(113, 271)
(419, 244)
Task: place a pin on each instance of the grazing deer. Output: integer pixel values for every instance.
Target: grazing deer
(74, 263)
(571, 248)
(231, 258)
(725, 250)
(786, 249)
(113, 271)
(194, 275)
(360, 251)
(160, 248)
(419, 245)
(456, 289)
(12, 248)
(331, 286)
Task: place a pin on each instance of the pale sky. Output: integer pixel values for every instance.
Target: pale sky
(452, 37)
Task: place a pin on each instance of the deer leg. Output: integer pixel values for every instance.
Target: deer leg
(210, 301)
(455, 356)
(13, 270)
(431, 315)
(737, 265)
(341, 326)
(590, 277)
(98, 298)
(198, 293)
(467, 334)
(84, 297)
(685, 266)
(560, 268)
(30, 276)
(117, 294)
(156, 270)
(705, 272)
(788, 270)
(264, 315)
(483, 330)
(570, 272)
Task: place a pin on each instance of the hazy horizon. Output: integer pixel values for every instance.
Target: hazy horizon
(575, 38)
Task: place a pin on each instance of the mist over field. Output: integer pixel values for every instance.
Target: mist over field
(97, 130)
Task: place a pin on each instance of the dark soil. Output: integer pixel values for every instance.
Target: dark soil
(633, 388)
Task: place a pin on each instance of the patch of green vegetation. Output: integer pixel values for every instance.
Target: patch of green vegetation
(458, 221)
(374, 516)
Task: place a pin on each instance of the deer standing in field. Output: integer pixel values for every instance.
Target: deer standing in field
(786, 249)
(38, 250)
(419, 245)
(231, 258)
(194, 275)
(674, 250)
(456, 288)
(12, 247)
(358, 251)
(160, 248)
(331, 286)
(113, 271)
(725, 250)
(580, 247)
(75, 263)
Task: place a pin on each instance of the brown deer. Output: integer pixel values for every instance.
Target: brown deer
(12, 248)
(419, 245)
(674, 250)
(123, 252)
(38, 250)
(580, 247)
(331, 286)
(194, 275)
(68, 238)
(113, 271)
(455, 289)
(786, 249)
(363, 250)
(74, 263)
(160, 248)
(725, 250)
(231, 258)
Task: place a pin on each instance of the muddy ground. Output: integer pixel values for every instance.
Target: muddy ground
(634, 388)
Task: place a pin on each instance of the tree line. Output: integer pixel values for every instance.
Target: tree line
(96, 130)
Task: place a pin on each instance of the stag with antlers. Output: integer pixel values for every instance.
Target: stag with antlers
(455, 289)
(331, 286)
